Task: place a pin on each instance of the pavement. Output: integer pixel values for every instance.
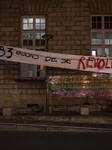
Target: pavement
(58, 123)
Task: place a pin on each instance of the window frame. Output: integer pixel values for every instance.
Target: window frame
(37, 70)
(103, 31)
(33, 31)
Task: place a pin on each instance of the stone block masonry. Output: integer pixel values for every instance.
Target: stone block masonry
(67, 20)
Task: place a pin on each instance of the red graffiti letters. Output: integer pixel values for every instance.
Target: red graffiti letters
(92, 62)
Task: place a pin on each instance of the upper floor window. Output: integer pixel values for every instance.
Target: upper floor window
(101, 35)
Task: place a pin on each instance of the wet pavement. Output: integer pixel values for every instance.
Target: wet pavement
(59, 123)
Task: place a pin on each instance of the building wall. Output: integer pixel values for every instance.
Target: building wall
(67, 20)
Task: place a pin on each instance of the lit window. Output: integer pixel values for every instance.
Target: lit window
(32, 31)
(27, 39)
(33, 28)
(27, 23)
(97, 38)
(108, 38)
(40, 23)
(101, 35)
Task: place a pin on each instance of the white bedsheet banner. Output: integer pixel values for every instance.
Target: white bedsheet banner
(76, 62)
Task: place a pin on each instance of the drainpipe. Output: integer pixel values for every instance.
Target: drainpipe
(47, 37)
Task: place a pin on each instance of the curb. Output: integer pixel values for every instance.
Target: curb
(68, 119)
(50, 128)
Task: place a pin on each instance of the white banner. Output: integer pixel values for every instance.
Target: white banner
(76, 62)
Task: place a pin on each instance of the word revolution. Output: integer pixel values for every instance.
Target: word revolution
(93, 62)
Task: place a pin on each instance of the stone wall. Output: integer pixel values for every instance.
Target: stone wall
(69, 23)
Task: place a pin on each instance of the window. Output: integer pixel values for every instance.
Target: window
(33, 28)
(101, 35)
(32, 31)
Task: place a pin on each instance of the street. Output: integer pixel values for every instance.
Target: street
(17, 140)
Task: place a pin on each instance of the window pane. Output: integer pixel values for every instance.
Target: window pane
(28, 70)
(110, 25)
(106, 19)
(28, 36)
(38, 20)
(106, 26)
(27, 23)
(38, 36)
(94, 19)
(32, 70)
(108, 22)
(27, 39)
(40, 23)
(108, 38)
(97, 52)
(43, 20)
(28, 20)
(96, 38)
(27, 26)
(99, 19)
(99, 25)
(93, 25)
(94, 53)
(97, 35)
(39, 40)
(110, 18)
(96, 22)
(24, 70)
(108, 52)
(40, 26)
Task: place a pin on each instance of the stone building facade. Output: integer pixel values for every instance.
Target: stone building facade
(69, 21)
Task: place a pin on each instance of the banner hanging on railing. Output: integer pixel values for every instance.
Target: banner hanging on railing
(76, 62)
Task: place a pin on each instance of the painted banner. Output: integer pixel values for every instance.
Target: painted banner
(76, 62)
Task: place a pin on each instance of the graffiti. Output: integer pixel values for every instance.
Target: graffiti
(27, 54)
(78, 79)
(93, 62)
(85, 87)
(52, 59)
(82, 93)
(66, 61)
(93, 86)
(4, 53)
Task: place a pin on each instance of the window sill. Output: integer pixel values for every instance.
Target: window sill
(31, 79)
